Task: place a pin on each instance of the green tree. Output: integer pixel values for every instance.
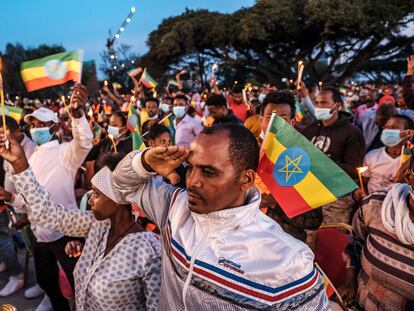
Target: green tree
(335, 38)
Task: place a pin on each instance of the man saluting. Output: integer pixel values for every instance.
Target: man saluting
(220, 252)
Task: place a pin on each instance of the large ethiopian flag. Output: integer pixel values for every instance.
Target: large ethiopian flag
(299, 176)
(52, 70)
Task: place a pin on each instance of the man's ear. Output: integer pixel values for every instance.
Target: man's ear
(247, 179)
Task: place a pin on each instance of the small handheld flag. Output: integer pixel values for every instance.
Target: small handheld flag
(299, 176)
(14, 112)
(134, 72)
(52, 70)
(147, 80)
(116, 86)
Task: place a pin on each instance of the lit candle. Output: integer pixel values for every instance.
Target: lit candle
(300, 73)
(320, 86)
(213, 70)
(360, 171)
(64, 102)
(113, 143)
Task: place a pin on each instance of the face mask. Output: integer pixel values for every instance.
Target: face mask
(165, 108)
(323, 114)
(390, 138)
(179, 111)
(114, 131)
(41, 135)
(261, 98)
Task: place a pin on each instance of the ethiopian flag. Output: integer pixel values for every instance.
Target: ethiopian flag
(300, 113)
(405, 155)
(173, 82)
(137, 142)
(14, 112)
(134, 72)
(134, 121)
(116, 86)
(168, 122)
(52, 70)
(299, 176)
(147, 80)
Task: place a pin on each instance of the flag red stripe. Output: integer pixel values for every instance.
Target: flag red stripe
(40, 83)
(285, 196)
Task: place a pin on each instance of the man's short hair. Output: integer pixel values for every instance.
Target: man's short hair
(151, 99)
(237, 89)
(280, 98)
(216, 100)
(408, 122)
(243, 148)
(336, 95)
(181, 96)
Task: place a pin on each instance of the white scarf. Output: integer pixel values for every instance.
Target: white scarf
(395, 214)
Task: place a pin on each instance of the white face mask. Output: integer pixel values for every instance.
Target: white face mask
(114, 131)
(261, 98)
(323, 114)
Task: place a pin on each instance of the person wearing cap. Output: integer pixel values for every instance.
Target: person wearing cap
(55, 166)
(119, 267)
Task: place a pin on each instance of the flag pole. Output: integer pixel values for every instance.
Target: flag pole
(3, 114)
(162, 120)
(341, 302)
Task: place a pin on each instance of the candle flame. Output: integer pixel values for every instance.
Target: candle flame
(111, 136)
(362, 169)
(300, 63)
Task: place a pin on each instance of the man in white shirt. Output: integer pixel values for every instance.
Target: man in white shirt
(186, 128)
(55, 166)
(8, 256)
(383, 163)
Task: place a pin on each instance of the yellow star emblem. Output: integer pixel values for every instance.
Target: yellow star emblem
(291, 167)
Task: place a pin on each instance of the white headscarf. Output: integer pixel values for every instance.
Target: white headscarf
(103, 182)
(395, 214)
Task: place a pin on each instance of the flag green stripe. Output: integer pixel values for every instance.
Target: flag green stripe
(327, 171)
(65, 56)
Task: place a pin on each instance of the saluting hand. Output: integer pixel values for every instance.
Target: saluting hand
(164, 161)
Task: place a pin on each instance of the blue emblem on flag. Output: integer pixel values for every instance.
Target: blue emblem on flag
(291, 167)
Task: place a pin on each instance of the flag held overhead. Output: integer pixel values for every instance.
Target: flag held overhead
(299, 176)
(52, 70)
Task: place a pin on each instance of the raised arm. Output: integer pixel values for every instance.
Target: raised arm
(43, 210)
(81, 144)
(133, 178)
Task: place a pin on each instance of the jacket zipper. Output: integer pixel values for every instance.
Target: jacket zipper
(206, 233)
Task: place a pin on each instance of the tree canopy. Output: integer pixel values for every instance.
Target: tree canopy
(334, 38)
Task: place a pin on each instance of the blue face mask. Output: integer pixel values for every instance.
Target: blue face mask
(323, 114)
(165, 108)
(390, 138)
(179, 111)
(41, 135)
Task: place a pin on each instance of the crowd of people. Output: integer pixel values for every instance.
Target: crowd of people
(186, 223)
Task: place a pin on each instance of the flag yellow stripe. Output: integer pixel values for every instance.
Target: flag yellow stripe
(307, 188)
(308, 185)
(39, 72)
(272, 147)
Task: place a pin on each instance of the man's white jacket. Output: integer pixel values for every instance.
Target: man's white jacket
(234, 259)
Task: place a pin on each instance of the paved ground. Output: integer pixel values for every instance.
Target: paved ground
(17, 299)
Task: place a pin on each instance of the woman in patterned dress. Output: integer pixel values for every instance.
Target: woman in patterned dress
(119, 268)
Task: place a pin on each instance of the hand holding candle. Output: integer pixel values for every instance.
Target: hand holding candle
(360, 171)
(111, 137)
(300, 73)
(213, 70)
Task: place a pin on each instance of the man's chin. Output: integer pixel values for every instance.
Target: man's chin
(195, 206)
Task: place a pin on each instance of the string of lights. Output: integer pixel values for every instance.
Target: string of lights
(111, 40)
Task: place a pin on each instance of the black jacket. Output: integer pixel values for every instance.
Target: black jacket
(230, 118)
(342, 142)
